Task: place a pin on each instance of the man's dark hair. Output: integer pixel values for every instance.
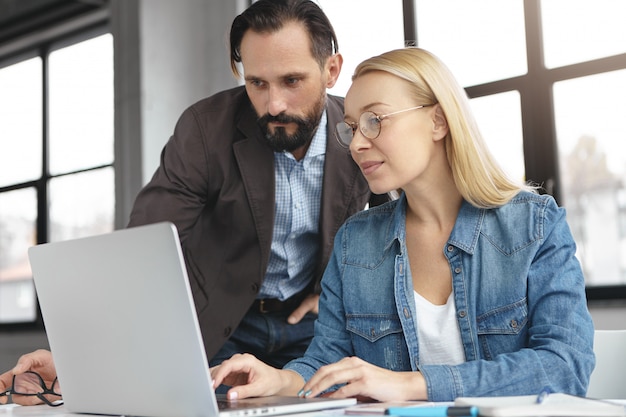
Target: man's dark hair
(271, 15)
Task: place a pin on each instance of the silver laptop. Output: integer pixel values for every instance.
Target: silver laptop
(123, 329)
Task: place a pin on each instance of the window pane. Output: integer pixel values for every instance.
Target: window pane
(591, 134)
(82, 204)
(18, 215)
(500, 121)
(81, 105)
(582, 30)
(20, 122)
(480, 40)
(358, 32)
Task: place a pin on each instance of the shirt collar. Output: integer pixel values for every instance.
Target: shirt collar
(317, 146)
(464, 234)
(318, 143)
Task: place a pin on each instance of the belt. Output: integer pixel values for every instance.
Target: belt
(274, 305)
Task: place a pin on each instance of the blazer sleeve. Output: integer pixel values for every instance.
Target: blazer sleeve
(178, 189)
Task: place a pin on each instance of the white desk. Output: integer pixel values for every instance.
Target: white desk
(47, 411)
(34, 411)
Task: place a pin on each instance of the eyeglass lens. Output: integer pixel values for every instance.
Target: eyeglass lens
(28, 383)
(32, 384)
(369, 126)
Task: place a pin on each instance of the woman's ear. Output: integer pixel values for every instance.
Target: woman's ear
(440, 124)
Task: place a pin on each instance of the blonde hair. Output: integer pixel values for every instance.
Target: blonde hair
(478, 177)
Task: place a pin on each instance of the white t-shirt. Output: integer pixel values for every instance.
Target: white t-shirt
(438, 332)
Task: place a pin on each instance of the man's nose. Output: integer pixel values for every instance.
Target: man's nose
(277, 102)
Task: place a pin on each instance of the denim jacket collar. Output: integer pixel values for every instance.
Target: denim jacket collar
(464, 234)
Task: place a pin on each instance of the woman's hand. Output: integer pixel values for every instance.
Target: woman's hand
(365, 380)
(249, 377)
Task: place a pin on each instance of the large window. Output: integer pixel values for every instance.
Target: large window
(546, 80)
(360, 34)
(56, 156)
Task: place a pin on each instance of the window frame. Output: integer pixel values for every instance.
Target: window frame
(537, 105)
(41, 44)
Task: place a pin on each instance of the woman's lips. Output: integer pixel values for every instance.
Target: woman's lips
(370, 166)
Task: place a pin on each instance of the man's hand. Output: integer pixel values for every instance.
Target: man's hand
(309, 304)
(39, 361)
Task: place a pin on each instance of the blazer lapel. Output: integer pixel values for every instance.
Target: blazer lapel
(256, 165)
(340, 179)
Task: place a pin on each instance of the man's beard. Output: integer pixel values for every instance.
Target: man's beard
(280, 141)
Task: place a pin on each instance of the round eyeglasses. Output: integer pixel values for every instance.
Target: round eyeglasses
(368, 125)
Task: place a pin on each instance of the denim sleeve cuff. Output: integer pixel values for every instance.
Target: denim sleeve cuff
(305, 371)
(443, 383)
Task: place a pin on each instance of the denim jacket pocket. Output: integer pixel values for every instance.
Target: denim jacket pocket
(373, 326)
(378, 339)
(503, 329)
(508, 319)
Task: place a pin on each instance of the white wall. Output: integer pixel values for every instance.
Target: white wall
(168, 55)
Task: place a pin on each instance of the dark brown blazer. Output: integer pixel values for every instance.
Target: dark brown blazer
(215, 182)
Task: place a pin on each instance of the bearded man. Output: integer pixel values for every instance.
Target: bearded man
(257, 185)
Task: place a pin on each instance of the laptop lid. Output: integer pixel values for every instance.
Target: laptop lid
(123, 329)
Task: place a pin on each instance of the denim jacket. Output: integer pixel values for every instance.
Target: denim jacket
(518, 289)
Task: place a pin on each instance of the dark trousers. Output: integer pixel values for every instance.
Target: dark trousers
(269, 337)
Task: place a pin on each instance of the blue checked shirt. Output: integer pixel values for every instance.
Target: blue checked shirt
(295, 242)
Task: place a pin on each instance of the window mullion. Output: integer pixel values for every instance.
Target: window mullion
(540, 147)
(42, 186)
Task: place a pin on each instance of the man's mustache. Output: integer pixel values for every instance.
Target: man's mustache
(280, 118)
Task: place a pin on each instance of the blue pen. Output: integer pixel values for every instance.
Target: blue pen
(432, 411)
(543, 395)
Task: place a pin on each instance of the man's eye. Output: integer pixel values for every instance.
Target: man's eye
(292, 81)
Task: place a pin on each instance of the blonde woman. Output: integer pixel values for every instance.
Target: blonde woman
(467, 285)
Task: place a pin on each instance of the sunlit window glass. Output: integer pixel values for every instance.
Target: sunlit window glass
(354, 23)
(500, 122)
(18, 215)
(480, 41)
(582, 30)
(81, 105)
(20, 122)
(591, 134)
(81, 204)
